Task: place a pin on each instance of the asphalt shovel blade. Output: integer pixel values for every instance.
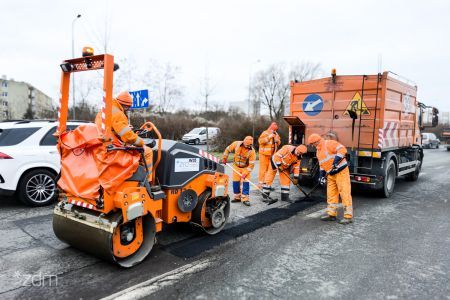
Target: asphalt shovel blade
(271, 201)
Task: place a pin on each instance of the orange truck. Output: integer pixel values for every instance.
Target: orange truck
(377, 117)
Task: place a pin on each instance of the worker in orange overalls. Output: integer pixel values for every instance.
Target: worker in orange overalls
(123, 132)
(244, 162)
(331, 156)
(269, 141)
(286, 161)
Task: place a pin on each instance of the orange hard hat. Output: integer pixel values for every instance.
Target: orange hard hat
(273, 126)
(248, 141)
(301, 150)
(125, 98)
(314, 138)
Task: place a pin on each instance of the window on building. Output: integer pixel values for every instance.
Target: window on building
(4, 83)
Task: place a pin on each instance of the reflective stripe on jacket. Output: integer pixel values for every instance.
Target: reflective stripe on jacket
(268, 145)
(120, 127)
(327, 151)
(285, 159)
(243, 157)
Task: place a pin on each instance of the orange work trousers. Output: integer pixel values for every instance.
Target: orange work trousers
(285, 182)
(264, 167)
(339, 185)
(148, 155)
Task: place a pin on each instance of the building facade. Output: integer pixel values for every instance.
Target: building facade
(21, 100)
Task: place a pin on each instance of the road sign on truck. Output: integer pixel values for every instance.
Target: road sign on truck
(377, 117)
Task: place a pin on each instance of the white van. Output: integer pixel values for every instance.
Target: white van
(198, 135)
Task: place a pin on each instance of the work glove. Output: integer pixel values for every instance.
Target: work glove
(244, 175)
(336, 161)
(150, 143)
(322, 178)
(295, 181)
(224, 161)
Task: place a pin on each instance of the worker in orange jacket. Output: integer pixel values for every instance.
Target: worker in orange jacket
(123, 132)
(286, 161)
(244, 162)
(269, 141)
(331, 156)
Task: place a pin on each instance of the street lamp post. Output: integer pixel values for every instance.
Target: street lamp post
(73, 56)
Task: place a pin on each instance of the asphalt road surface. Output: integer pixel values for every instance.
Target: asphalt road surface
(398, 248)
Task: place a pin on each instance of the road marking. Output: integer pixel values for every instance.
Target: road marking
(316, 214)
(153, 285)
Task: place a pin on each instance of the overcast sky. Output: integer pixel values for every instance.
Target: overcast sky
(413, 38)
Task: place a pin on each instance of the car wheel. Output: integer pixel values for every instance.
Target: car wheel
(38, 188)
(197, 142)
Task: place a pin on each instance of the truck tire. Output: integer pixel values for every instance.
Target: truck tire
(38, 188)
(389, 177)
(415, 175)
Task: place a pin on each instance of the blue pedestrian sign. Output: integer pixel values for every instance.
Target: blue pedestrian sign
(313, 105)
(140, 99)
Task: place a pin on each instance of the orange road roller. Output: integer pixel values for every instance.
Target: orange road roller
(112, 203)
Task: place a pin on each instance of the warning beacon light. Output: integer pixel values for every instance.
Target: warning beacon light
(88, 51)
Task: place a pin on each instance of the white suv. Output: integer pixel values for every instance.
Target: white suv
(29, 160)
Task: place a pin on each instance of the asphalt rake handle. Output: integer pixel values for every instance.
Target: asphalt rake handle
(271, 200)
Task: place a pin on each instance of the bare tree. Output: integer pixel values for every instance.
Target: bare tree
(272, 89)
(305, 70)
(271, 86)
(162, 79)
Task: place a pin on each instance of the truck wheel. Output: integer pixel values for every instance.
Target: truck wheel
(415, 175)
(389, 179)
(37, 188)
(448, 148)
(197, 142)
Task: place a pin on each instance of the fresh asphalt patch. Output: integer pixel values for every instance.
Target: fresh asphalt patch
(194, 246)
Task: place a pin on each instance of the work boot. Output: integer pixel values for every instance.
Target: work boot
(266, 196)
(236, 200)
(345, 221)
(246, 203)
(328, 218)
(285, 197)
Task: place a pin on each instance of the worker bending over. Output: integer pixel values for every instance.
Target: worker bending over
(123, 132)
(286, 161)
(269, 141)
(243, 163)
(334, 171)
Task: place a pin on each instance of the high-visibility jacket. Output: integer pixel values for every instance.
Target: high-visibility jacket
(285, 159)
(268, 145)
(243, 156)
(326, 153)
(120, 127)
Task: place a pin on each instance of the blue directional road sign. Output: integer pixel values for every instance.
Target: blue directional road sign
(313, 105)
(140, 99)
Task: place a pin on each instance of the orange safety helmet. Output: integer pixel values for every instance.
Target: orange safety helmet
(125, 98)
(314, 138)
(273, 126)
(248, 141)
(301, 150)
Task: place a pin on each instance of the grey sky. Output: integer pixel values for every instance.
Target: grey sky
(229, 36)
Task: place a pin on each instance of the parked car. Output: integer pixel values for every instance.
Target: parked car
(198, 135)
(29, 160)
(429, 140)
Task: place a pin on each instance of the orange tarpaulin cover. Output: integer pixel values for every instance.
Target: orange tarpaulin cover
(86, 165)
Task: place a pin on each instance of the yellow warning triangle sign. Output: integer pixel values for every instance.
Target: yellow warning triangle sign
(357, 105)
